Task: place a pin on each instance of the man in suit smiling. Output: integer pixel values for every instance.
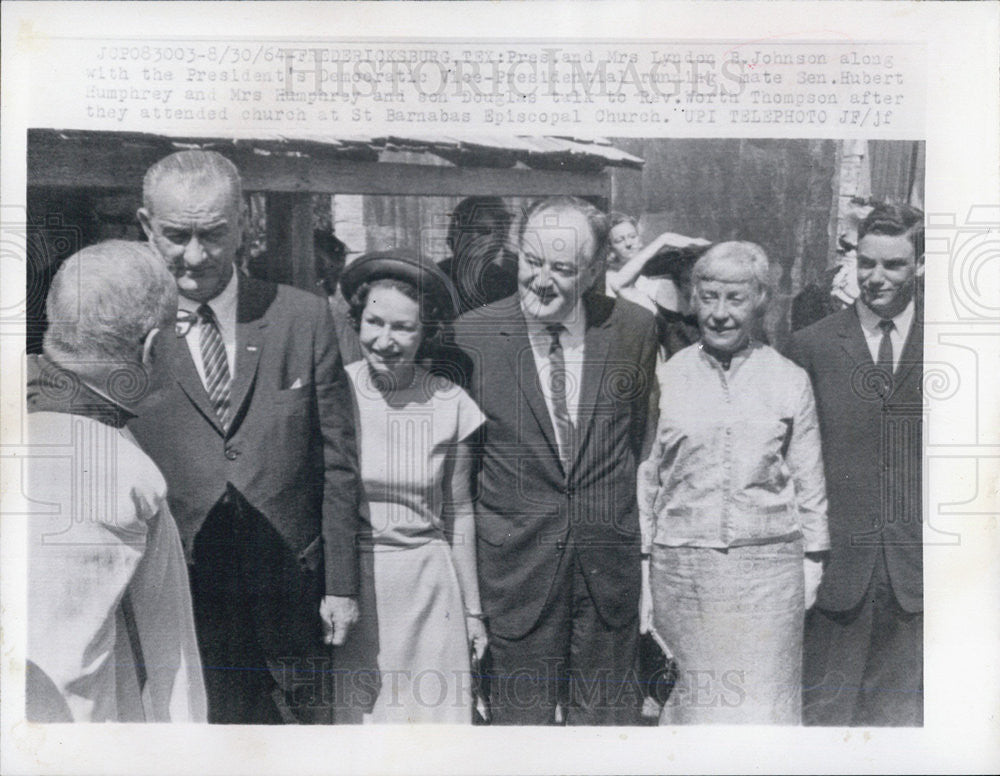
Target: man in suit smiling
(564, 378)
(253, 431)
(863, 652)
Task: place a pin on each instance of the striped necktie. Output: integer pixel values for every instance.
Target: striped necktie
(213, 357)
(557, 386)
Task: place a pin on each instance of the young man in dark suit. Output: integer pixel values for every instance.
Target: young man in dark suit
(254, 433)
(564, 378)
(863, 662)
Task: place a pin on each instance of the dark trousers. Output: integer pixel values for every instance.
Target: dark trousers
(242, 685)
(865, 666)
(572, 658)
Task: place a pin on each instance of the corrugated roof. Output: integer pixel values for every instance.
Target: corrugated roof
(478, 150)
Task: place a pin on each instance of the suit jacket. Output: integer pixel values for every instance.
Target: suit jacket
(288, 460)
(872, 457)
(528, 510)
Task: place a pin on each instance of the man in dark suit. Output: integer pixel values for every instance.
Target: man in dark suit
(253, 430)
(864, 638)
(564, 379)
(481, 266)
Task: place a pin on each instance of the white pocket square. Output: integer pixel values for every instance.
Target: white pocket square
(296, 384)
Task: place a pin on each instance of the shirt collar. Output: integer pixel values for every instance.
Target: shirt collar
(54, 388)
(223, 305)
(870, 320)
(735, 361)
(575, 324)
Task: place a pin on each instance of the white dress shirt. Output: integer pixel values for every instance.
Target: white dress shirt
(572, 344)
(224, 308)
(873, 334)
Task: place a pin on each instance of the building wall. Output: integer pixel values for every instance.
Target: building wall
(793, 197)
(777, 193)
(786, 195)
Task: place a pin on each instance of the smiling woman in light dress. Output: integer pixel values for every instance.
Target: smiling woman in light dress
(420, 610)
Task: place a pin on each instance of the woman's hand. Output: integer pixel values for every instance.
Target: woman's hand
(812, 567)
(478, 638)
(645, 600)
(460, 521)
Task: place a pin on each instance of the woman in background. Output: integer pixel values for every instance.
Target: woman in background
(419, 598)
(732, 505)
(666, 296)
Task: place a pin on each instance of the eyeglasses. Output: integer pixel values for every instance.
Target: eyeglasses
(185, 320)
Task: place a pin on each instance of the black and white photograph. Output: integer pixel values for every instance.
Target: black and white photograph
(361, 399)
(424, 438)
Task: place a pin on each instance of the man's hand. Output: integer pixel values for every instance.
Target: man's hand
(338, 614)
(812, 567)
(645, 600)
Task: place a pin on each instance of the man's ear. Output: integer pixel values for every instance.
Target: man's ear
(919, 271)
(147, 347)
(592, 273)
(144, 220)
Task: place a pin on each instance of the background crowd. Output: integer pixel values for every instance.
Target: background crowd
(464, 491)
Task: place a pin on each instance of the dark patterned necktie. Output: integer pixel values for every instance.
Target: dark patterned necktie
(213, 357)
(885, 346)
(557, 387)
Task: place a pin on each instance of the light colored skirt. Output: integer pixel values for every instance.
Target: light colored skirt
(733, 619)
(407, 659)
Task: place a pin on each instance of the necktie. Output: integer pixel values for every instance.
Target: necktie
(885, 346)
(557, 387)
(213, 356)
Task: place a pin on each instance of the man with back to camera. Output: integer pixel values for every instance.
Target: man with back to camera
(111, 634)
(254, 433)
(863, 655)
(564, 378)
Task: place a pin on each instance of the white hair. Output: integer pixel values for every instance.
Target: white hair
(194, 166)
(104, 301)
(734, 253)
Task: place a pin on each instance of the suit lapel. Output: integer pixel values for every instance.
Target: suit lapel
(913, 351)
(186, 374)
(596, 347)
(852, 339)
(253, 299)
(517, 350)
